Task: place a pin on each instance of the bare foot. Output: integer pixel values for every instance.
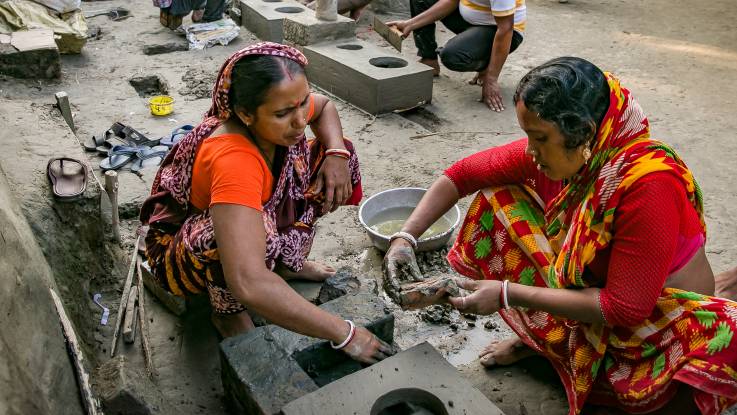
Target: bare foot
(229, 325)
(504, 352)
(311, 271)
(433, 63)
(726, 284)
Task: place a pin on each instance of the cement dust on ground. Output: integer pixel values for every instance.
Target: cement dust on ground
(684, 79)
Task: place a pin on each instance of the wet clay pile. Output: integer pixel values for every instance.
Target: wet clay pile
(421, 283)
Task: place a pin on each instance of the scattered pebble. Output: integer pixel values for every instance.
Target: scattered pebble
(508, 374)
(490, 325)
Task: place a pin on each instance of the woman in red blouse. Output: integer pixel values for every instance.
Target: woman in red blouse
(588, 238)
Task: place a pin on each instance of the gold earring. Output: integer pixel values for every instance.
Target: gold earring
(586, 154)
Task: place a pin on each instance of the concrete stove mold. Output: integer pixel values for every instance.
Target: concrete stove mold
(288, 21)
(265, 18)
(416, 381)
(268, 367)
(372, 78)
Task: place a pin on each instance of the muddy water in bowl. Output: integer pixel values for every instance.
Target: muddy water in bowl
(390, 221)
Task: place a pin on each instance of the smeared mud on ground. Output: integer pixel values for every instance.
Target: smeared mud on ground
(198, 84)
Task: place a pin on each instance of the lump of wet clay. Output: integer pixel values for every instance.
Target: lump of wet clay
(424, 293)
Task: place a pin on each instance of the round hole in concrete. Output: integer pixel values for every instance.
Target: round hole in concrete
(290, 9)
(350, 47)
(388, 62)
(408, 401)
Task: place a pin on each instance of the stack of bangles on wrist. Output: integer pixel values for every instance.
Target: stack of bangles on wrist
(348, 339)
(338, 152)
(406, 236)
(504, 295)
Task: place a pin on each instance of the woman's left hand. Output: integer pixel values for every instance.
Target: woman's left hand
(334, 178)
(484, 297)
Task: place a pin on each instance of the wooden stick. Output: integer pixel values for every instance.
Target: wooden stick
(415, 137)
(91, 404)
(143, 324)
(111, 187)
(62, 101)
(124, 297)
(130, 320)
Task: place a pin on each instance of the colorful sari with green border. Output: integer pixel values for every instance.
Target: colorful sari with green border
(509, 234)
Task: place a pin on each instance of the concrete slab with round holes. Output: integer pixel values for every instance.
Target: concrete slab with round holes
(416, 381)
(375, 79)
(265, 18)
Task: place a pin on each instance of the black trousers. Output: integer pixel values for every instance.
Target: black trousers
(468, 51)
(213, 8)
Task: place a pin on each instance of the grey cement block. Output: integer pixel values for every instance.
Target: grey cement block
(306, 29)
(270, 366)
(126, 391)
(31, 54)
(265, 19)
(375, 79)
(417, 379)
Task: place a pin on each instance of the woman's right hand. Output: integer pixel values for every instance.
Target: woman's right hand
(403, 26)
(365, 347)
(400, 264)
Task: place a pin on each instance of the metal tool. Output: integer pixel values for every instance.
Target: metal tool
(105, 311)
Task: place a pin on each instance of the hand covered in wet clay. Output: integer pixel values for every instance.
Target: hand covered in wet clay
(428, 292)
(367, 348)
(400, 266)
(483, 300)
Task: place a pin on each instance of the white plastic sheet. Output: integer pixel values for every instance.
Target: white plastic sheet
(203, 35)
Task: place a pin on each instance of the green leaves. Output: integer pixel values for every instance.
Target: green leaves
(487, 221)
(688, 295)
(658, 365)
(722, 338)
(483, 247)
(523, 210)
(706, 318)
(527, 276)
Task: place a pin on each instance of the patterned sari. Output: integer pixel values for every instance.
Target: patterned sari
(180, 243)
(509, 234)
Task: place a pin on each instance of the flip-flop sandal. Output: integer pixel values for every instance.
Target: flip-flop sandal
(68, 178)
(132, 136)
(119, 156)
(149, 157)
(97, 140)
(176, 135)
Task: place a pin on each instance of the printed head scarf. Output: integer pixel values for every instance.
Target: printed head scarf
(580, 218)
(175, 175)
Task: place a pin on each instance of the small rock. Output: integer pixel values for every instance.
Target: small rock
(490, 325)
(508, 374)
(340, 284)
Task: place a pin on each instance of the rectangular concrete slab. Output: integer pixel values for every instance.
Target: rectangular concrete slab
(31, 54)
(265, 19)
(375, 79)
(306, 29)
(269, 366)
(418, 379)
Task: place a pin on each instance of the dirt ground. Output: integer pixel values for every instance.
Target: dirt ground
(680, 62)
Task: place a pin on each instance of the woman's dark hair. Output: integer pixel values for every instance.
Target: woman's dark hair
(570, 92)
(253, 76)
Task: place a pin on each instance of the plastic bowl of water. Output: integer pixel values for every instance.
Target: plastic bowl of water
(383, 214)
